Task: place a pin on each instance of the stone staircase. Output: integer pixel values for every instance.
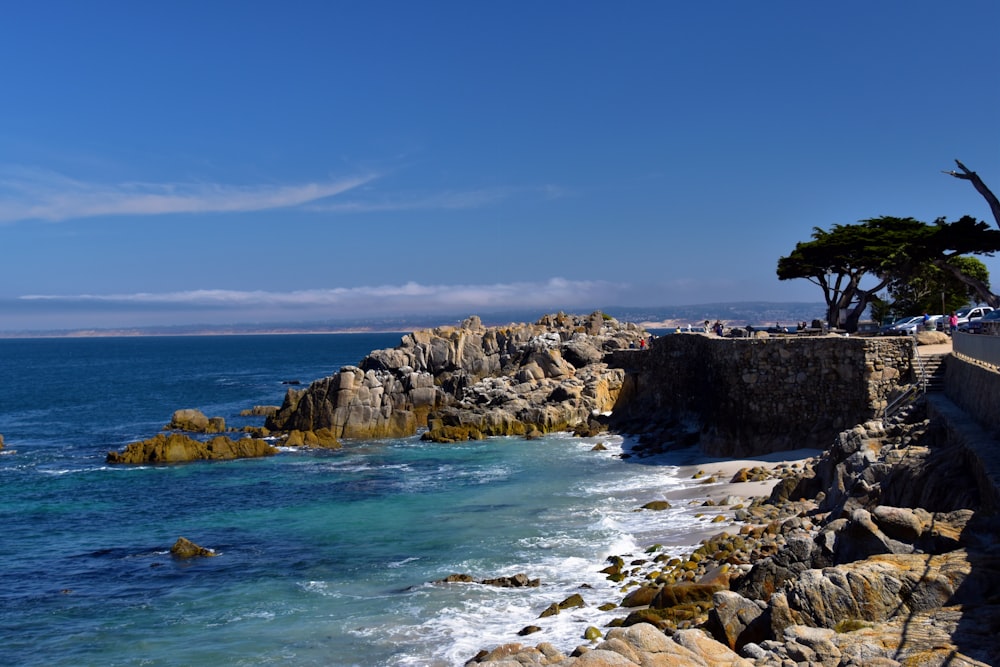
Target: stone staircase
(933, 371)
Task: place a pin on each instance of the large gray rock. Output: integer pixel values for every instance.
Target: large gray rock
(469, 382)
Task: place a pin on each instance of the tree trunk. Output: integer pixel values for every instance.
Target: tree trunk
(981, 288)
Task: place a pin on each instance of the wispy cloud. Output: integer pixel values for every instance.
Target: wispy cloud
(386, 299)
(34, 194)
(448, 200)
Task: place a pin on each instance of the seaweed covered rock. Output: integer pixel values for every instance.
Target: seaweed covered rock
(185, 548)
(179, 448)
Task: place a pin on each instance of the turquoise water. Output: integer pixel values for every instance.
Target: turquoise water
(324, 558)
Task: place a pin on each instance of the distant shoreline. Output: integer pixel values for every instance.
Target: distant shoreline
(736, 314)
(113, 333)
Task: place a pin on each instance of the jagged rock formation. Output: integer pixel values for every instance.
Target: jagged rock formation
(471, 381)
(178, 448)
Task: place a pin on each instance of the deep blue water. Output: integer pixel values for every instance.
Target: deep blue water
(325, 558)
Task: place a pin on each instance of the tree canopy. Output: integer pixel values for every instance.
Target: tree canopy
(884, 249)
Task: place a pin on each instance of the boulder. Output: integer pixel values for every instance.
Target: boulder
(657, 505)
(179, 448)
(736, 621)
(194, 421)
(185, 548)
(876, 589)
(932, 338)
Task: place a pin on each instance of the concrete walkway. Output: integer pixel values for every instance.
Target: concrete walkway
(981, 446)
(931, 350)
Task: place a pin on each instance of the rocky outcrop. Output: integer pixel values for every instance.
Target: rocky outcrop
(865, 558)
(519, 580)
(185, 548)
(179, 448)
(470, 382)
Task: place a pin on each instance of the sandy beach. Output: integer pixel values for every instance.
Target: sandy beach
(709, 499)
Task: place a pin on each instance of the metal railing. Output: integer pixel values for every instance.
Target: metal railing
(901, 401)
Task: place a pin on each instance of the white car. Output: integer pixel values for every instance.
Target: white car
(966, 315)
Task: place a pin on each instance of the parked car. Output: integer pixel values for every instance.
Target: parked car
(894, 329)
(984, 323)
(930, 324)
(968, 314)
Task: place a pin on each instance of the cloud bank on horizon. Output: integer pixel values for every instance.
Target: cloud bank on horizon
(224, 307)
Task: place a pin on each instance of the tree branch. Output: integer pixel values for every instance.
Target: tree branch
(982, 291)
(977, 183)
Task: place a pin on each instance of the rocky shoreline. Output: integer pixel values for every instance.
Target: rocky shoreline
(882, 551)
(877, 553)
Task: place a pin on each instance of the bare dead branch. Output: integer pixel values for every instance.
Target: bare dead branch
(968, 175)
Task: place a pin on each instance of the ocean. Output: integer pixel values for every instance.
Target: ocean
(324, 557)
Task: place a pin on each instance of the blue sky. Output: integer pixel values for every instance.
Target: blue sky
(241, 162)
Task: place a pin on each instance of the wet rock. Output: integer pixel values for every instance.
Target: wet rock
(185, 548)
(322, 438)
(180, 448)
(657, 505)
(517, 581)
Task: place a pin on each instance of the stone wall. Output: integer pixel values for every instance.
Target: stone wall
(975, 388)
(760, 395)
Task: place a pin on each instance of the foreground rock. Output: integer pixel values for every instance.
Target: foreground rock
(879, 554)
(179, 448)
(471, 381)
